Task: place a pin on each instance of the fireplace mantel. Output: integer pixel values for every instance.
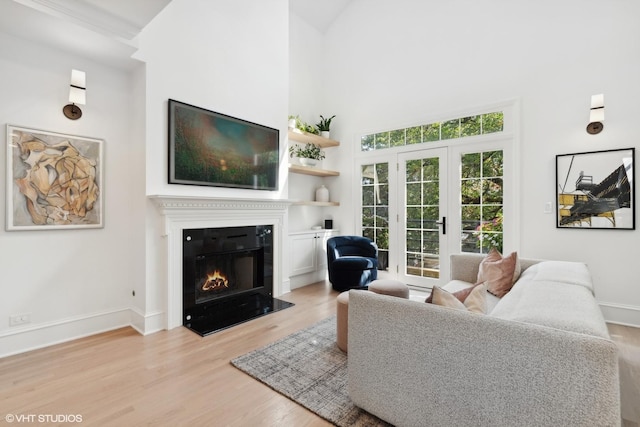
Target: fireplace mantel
(168, 203)
(184, 212)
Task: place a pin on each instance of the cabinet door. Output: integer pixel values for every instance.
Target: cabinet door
(303, 253)
(321, 255)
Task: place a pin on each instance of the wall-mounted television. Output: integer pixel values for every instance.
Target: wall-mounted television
(213, 149)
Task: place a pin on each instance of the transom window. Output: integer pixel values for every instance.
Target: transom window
(456, 128)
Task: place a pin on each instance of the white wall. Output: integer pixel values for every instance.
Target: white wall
(72, 282)
(306, 98)
(226, 56)
(392, 64)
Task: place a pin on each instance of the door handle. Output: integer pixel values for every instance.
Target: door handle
(443, 223)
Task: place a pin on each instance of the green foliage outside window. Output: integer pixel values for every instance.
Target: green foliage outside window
(482, 200)
(375, 208)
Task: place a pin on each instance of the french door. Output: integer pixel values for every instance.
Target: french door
(421, 206)
(403, 210)
(422, 221)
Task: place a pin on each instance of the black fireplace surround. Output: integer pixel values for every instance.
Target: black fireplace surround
(227, 277)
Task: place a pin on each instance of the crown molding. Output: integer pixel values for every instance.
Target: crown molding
(87, 16)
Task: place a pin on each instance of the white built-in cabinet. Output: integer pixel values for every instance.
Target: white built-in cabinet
(308, 256)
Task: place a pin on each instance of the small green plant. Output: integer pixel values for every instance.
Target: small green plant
(308, 128)
(304, 126)
(324, 124)
(309, 151)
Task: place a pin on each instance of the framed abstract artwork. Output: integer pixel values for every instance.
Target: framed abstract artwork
(595, 190)
(213, 149)
(54, 181)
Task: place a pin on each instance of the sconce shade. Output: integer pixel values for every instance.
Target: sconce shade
(596, 114)
(597, 108)
(77, 95)
(78, 90)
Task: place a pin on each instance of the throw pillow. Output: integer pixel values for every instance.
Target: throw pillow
(462, 294)
(499, 273)
(445, 299)
(475, 302)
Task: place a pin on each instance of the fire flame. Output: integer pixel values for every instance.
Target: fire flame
(215, 281)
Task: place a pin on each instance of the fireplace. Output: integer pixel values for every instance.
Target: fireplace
(227, 276)
(177, 213)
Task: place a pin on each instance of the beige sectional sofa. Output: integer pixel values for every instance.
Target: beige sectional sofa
(541, 356)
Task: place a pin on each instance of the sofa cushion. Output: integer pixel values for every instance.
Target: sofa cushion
(562, 302)
(499, 273)
(570, 273)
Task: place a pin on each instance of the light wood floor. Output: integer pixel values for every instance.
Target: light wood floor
(169, 378)
(628, 340)
(175, 377)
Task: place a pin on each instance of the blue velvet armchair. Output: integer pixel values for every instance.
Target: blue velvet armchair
(352, 262)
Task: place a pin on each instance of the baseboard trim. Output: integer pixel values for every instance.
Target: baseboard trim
(302, 280)
(149, 323)
(33, 337)
(285, 288)
(621, 314)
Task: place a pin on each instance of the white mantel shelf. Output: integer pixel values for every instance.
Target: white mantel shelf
(199, 202)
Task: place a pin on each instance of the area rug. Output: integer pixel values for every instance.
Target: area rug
(308, 368)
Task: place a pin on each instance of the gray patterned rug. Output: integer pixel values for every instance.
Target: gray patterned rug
(308, 368)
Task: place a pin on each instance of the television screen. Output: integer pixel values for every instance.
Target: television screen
(213, 149)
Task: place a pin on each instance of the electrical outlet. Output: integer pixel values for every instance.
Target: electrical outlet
(19, 319)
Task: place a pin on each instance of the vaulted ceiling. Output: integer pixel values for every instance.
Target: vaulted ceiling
(318, 13)
(106, 30)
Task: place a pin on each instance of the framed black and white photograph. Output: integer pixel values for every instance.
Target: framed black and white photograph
(213, 149)
(595, 190)
(54, 181)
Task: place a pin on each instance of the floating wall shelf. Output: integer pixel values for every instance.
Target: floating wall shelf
(310, 138)
(307, 170)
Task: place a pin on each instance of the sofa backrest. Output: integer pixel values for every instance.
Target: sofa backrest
(465, 266)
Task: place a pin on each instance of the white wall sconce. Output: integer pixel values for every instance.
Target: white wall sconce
(77, 95)
(596, 116)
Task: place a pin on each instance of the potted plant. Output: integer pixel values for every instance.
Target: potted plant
(300, 126)
(305, 127)
(293, 122)
(308, 155)
(324, 125)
